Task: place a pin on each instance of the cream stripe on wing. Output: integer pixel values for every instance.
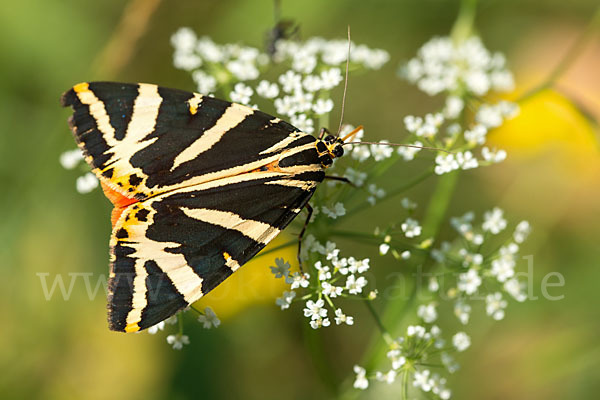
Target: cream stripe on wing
(174, 265)
(283, 143)
(256, 230)
(143, 120)
(240, 170)
(304, 185)
(233, 115)
(145, 113)
(138, 302)
(96, 107)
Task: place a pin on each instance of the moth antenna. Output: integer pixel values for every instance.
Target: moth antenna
(400, 145)
(345, 83)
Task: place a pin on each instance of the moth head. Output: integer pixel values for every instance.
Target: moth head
(329, 147)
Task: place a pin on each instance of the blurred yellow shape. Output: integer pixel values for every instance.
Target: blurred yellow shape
(549, 121)
(253, 283)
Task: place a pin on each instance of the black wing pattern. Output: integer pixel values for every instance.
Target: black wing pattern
(210, 184)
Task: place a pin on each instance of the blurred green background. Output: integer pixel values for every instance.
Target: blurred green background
(62, 349)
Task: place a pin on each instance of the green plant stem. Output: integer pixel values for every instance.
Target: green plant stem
(314, 343)
(405, 385)
(392, 193)
(360, 237)
(384, 332)
(463, 26)
(180, 323)
(567, 61)
(440, 200)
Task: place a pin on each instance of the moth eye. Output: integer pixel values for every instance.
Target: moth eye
(338, 151)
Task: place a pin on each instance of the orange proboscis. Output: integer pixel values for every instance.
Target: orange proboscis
(119, 200)
(354, 132)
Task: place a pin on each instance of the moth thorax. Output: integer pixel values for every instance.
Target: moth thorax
(329, 148)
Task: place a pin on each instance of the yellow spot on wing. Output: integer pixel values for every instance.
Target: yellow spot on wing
(226, 255)
(132, 328)
(81, 87)
(194, 102)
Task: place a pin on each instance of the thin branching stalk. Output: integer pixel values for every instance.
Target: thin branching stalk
(570, 57)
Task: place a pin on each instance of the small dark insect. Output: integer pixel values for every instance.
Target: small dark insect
(283, 29)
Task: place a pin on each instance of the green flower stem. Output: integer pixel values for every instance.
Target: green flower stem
(313, 341)
(376, 171)
(324, 118)
(391, 194)
(384, 332)
(440, 200)
(360, 237)
(463, 26)
(405, 384)
(180, 323)
(572, 54)
(410, 184)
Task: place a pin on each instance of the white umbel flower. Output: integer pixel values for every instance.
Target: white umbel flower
(427, 313)
(469, 282)
(461, 341)
(314, 309)
(286, 299)
(209, 319)
(493, 221)
(445, 163)
(341, 318)
(267, 89)
(155, 328)
(86, 183)
(70, 159)
(178, 340)
(361, 381)
(337, 210)
(411, 228)
(495, 305)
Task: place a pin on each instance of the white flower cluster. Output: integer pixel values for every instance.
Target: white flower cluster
(444, 66)
(408, 356)
(463, 72)
(207, 318)
(300, 94)
(305, 55)
(410, 228)
(212, 64)
(86, 182)
(474, 267)
(423, 344)
(335, 277)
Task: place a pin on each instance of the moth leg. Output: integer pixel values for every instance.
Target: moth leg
(310, 211)
(341, 179)
(322, 133)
